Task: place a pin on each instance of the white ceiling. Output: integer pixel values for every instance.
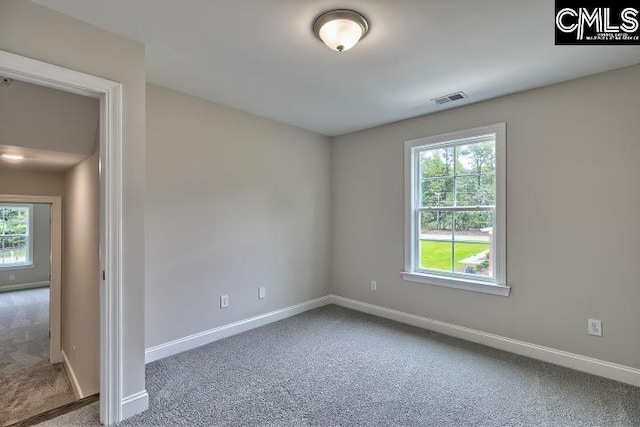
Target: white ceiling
(261, 56)
(52, 129)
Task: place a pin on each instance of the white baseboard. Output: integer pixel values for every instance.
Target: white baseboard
(134, 404)
(72, 376)
(201, 338)
(614, 371)
(22, 286)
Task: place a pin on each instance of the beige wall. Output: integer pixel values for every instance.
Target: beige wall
(234, 202)
(81, 274)
(31, 183)
(572, 217)
(37, 32)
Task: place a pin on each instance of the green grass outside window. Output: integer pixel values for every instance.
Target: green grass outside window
(436, 255)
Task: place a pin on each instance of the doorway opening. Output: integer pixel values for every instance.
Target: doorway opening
(50, 319)
(33, 379)
(109, 94)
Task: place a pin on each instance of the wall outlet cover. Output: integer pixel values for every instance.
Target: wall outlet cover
(262, 292)
(595, 327)
(224, 301)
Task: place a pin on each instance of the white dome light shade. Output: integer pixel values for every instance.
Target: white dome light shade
(340, 29)
(340, 34)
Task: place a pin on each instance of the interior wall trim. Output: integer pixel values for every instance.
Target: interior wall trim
(590, 365)
(135, 403)
(601, 368)
(22, 286)
(205, 337)
(77, 390)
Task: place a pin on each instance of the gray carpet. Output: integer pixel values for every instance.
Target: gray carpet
(29, 384)
(337, 367)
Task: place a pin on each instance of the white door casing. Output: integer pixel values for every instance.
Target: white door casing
(111, 295)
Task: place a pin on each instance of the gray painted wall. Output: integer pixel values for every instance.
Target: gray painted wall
(234, 202)
(41, 252)
(38, 32)
(81, 274)
(572, 217)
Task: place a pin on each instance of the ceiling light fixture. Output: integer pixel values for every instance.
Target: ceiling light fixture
(340, 29)
(13, 157)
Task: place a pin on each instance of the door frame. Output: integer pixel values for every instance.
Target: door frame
(55, 281)
(111, 215)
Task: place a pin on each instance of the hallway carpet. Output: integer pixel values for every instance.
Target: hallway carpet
(29, 384)
(337, 367)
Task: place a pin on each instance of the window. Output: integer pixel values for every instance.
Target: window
(455, 210)
(15, 235)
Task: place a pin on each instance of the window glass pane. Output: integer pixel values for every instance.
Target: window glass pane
(475, 190)
(14, 232)
(472, 244)
(435, 248)
(436, 192)
(13, 250)
(476, 158)
(3, 224)
(436, 163)
(16, 221)
(475, 174)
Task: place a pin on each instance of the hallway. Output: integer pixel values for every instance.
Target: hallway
(29, 384)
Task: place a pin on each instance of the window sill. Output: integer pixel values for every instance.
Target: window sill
(16, 267)
(467, 285)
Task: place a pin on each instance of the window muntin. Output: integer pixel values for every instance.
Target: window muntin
(455, 213)
(15, 235)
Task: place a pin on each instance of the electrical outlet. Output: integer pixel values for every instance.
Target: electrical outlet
(262, 292)
(224, 301)
(595, 327)
(374, 285)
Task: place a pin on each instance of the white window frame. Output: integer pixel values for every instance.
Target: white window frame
(29, 262)
(496, 285)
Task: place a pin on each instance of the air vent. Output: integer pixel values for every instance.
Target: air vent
(452, 97)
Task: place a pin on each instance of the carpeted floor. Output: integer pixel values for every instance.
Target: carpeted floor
(337, 367)
(29, 384)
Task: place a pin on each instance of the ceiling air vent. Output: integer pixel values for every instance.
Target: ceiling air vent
(450, 98)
